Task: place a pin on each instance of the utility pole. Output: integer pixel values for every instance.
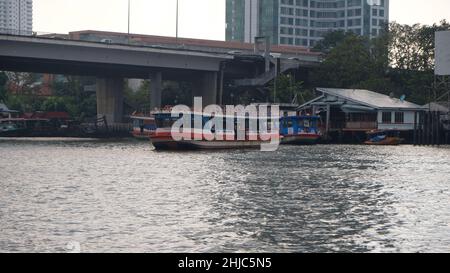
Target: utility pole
(277, 57)
(128, 36)
(20, 16)
(176, 34)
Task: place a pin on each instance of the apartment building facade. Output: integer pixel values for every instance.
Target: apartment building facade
(303, 22)
(16, 17)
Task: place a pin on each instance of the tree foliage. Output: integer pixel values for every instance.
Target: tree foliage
(3, 81)
(287, 90)
(413, 47)
(68, 95)
(139, 99)
(399, 61)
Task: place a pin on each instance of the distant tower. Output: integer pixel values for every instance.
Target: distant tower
(242, 20)
(16, 16)
(303, 22)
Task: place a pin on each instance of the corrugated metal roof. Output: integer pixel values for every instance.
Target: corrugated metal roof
(370, 98)
(442, 106)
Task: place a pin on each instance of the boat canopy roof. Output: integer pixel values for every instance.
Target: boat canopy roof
(206, 115)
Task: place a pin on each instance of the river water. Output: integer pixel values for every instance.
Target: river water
(59, 195)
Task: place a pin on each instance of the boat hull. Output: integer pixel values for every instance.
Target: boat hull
(170, 144)
(390, 141)
(306, 139)
(164, 141)
(141, 135)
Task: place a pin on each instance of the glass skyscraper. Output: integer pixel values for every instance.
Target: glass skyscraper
(303, 22)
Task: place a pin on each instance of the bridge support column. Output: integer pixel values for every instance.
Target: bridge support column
(110, 99)
(209, 88)
(155, 90)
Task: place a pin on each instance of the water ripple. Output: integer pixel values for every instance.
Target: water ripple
(123, 196)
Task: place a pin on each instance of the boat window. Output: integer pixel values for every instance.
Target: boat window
(306, 123)
(387, 117)
(399, 117)
(164, 122)
(290, 123)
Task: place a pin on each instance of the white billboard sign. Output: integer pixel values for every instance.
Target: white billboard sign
(442, 53)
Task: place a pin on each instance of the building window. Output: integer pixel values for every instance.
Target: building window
(387, 117)
(399, 117)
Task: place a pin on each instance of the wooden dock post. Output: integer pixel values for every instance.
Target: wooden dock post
(428, 131)
(438, 121)
(327, 128)
(415, 129)
(419, 129)
(431, 143)
(424, 128)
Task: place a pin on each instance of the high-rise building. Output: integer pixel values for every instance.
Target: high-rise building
(303, 22)
(16, 16)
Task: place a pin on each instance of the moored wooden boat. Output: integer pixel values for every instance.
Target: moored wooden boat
(300, 130)
(384, 138)
(143, 125)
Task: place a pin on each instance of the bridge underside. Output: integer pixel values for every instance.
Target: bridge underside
(207, 71)
(110, 81)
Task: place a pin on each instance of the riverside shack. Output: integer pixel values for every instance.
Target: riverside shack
(350, 113)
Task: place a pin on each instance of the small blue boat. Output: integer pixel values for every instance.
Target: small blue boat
(300, 130)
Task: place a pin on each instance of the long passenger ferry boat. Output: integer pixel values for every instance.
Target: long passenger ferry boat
(300, 130)
(162, 138)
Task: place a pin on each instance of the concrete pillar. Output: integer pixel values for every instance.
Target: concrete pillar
(222, 75)
(205, 85)
(209, 88)
(110, 99)
(156, 90)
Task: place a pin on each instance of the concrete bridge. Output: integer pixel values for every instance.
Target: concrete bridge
(111, 63)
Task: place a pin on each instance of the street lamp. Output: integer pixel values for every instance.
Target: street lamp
(20, 16)
(128, 36)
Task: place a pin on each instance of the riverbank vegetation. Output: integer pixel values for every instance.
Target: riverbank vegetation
(23, 92)
(399, 61)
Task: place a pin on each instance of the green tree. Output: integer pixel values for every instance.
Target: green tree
(140, 99)
(286, 89)
(54, 104)
(71, 97)
(330, 41)
(347, 64)
(177, 93)
(3, 81)
(412, 59)
(399, 61)
(413, 47)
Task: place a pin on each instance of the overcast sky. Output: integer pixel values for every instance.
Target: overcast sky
(198, 18)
